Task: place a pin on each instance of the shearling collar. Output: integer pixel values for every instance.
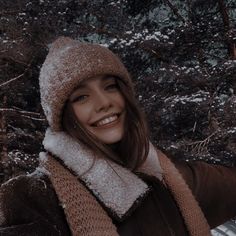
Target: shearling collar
(115, 186)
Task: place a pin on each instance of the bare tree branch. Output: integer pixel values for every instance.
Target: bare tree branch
(199, 147)
(26, 114)
(23, 111)
(11, 80)
(33, 118)
(17, 77)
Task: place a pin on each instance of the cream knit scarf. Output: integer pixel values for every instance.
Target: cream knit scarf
(116, 187)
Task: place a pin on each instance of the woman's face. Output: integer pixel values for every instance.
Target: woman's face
(100, 107)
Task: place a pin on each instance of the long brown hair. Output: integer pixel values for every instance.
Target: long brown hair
(133, 149)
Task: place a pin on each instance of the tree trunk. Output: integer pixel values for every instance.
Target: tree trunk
(226, 21)
(4, 175)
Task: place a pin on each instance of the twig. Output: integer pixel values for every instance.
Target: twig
(175, 10)
(33, 118)
(17, 61)
(155, 53)
(207, 139)
(11, 80)
(23, 113)
(194, 126)
(17, 77)
(199, 146)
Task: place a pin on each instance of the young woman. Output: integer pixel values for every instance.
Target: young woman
(100, 175)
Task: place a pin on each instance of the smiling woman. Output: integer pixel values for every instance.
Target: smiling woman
(96, 114)
(100, 174)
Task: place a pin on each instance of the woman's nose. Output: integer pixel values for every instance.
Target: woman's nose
(102, 102)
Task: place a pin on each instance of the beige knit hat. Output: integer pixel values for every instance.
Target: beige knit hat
(67, 64)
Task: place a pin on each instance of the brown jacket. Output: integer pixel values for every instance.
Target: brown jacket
(29, 204)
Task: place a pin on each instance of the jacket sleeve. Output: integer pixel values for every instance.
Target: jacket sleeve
(214, 187)
(25, 209)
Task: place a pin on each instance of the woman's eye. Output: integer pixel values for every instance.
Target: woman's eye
(80, 98)
(112, 86)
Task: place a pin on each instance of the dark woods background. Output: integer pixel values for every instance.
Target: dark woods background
(180, 53)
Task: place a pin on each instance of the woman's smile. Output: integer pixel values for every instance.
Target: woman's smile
(107, 121)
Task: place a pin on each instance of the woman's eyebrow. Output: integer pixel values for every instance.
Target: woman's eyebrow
(81, 86)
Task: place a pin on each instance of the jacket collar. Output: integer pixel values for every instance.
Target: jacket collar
(115, 186)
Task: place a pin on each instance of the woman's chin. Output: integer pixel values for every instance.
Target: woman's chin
(110, 141)
(109, 136)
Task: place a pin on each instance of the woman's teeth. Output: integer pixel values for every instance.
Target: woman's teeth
(107, 120)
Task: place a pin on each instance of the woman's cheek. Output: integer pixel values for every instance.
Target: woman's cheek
(83, 113)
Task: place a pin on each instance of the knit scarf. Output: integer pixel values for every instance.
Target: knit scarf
(117, 188)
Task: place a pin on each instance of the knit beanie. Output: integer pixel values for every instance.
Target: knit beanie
(67, 64)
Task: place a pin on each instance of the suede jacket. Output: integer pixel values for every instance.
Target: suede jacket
(30, 206)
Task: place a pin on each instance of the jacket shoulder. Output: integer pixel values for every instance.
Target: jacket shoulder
(21, 192)
(25, 185)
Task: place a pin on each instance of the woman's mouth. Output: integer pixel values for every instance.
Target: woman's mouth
(107, 121)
